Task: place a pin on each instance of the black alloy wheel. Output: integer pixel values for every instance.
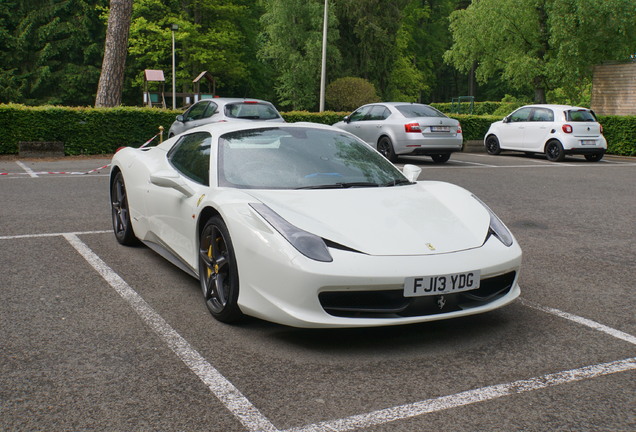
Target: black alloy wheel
(441, 158)
(386, 148)
(492, 145)
(121, 215)
(218, 271)
(554, 151)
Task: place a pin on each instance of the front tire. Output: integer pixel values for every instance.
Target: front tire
(122, 226)
(554, 151)
(385, 146)
(218, 271)
(492, 145)
(441, 158)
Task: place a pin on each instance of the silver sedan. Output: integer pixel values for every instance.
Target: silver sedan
(403, 128)
(224, 109)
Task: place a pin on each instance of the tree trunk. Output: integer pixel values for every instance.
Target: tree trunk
(111, 80)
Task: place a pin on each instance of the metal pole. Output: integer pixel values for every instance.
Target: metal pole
(323, 69)
(174, 100)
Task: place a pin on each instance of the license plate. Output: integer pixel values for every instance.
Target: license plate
(441, 284)
(588, 142)
(440, 128)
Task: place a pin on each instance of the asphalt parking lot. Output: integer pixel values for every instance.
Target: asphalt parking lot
(96, 336)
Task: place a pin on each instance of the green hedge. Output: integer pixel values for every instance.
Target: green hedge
(103, 130)
(82, 130)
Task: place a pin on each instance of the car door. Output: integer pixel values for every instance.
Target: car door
(537, 129)
(170, 210)
(199, 114)
(374, 126)
(512, 130)
(355, 122)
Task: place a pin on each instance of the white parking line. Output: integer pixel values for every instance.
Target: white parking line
(255, 421)
(224, 390)
(28, 170)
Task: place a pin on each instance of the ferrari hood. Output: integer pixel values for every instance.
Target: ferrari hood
(426, 218)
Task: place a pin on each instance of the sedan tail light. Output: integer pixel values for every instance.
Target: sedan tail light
(459, 128)
(567, 128)
(412, 127)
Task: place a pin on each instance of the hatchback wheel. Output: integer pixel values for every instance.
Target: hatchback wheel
(492, 145)
(554, 151)
(218, 271)
(385, 146)
(594, 157)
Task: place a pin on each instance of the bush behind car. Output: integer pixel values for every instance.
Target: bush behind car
(102, 130)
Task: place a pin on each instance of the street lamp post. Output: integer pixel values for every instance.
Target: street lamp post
(323, 69)
(174, 28)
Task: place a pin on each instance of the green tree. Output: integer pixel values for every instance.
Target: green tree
(51, 51)
(368, 30)
(541, 44)
(292, 45)
(214, 35)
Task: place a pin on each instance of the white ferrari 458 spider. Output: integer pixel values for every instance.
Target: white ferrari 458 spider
(306, 225)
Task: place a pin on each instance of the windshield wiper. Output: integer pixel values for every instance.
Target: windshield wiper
(397, 182)
(341, 185)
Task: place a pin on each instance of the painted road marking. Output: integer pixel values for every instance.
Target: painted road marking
(28, 170)
(255, 421)
(224, 390)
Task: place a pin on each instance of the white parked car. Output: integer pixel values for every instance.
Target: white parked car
(404, 128)
(306, 225)
(556, 130)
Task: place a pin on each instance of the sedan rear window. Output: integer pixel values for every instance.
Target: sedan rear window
(417, 110)
(580, 116)
(251, 111)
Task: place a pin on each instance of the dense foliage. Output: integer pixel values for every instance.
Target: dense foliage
(411, 50)
(103, 130)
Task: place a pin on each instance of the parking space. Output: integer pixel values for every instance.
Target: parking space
(97, 336)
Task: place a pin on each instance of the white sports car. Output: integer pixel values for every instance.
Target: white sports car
(306, 225)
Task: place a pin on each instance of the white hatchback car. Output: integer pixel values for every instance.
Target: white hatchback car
(556, 130)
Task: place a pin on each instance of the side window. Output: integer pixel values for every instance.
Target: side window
(543, 115)
(359, 114)
(210, 110)
(378, 112)
(191, 157)
(197, 111)
(521, 115)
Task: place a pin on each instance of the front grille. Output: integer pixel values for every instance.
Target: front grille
(392, 303)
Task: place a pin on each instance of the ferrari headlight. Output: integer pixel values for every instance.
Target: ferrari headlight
(497, 228)
(306, 243)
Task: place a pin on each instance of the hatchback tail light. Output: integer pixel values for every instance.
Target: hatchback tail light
(601, 126)
(567, 128)
(459, 128)
(412, 127)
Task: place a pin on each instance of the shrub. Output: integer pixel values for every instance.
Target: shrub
(347, 94)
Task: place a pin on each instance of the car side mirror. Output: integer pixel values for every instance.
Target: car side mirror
(506, 119)
(411, 172)
(170, 179)
(346, 119)
(180, 118)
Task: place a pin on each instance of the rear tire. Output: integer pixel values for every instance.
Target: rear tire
(492, 145)
(441, 158)
(594, 157)
(122, 226)
(554, 151)
(385, 146)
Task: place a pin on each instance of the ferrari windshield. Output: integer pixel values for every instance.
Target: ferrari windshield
(301, 158)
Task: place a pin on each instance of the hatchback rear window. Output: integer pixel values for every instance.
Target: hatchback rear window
(410, 111)
(580, 116)
(251, 111)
